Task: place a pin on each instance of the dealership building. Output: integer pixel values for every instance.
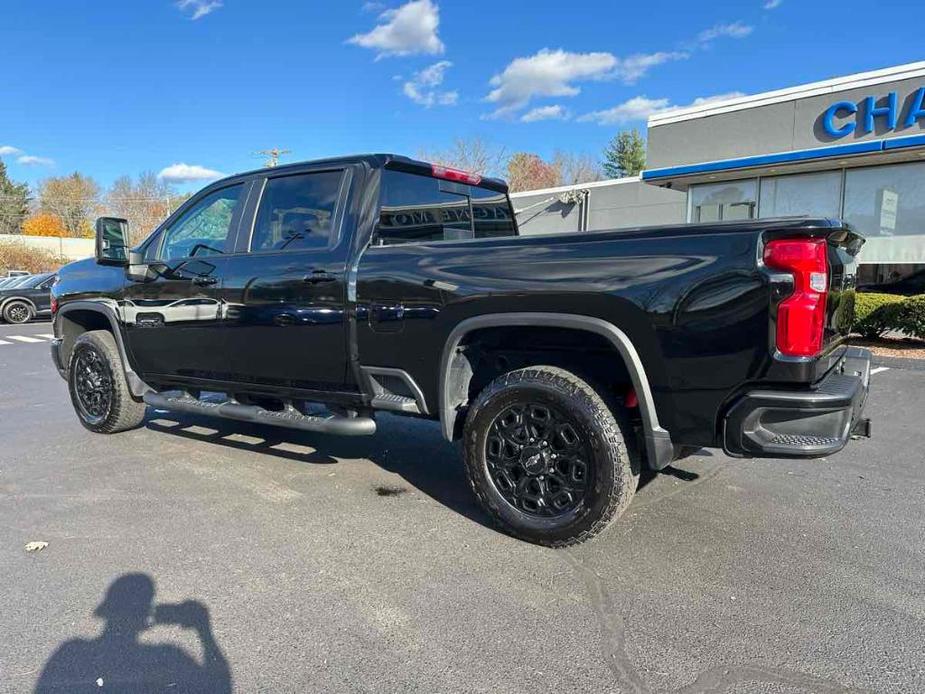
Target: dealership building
(851, 147)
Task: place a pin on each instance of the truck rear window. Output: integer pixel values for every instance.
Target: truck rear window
(418, 209)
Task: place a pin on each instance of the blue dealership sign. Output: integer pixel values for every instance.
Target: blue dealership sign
(845, 117)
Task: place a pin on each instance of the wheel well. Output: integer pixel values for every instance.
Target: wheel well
(74, 323)
(486, 353)
(11, 299)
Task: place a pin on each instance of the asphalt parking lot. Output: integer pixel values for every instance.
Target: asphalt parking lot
(283, 561)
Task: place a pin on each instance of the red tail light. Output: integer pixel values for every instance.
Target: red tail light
(801, 316)
(54, 305)
(455, 175)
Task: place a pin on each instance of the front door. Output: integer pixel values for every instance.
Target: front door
(173, 324)
(285, 294)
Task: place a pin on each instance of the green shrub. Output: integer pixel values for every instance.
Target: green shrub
(910, 316)
(875, 314)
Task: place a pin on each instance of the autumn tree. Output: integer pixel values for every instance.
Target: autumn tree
(14, 203)
(73, 199)
(475, 155)
(527, 171)
(44, 224)
(625, 155)
(145, 202)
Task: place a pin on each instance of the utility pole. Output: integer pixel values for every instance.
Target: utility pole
(272, 155)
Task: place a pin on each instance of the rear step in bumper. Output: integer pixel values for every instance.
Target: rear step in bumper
(290, 418)
(802, 424)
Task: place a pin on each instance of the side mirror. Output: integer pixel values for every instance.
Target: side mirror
(112, 241)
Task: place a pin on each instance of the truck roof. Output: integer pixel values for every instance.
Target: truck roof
(375, 161)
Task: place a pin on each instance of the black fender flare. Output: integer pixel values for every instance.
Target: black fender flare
(659, 447)
(106, 308)
(25, 299)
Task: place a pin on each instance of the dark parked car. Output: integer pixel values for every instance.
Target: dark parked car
(909, 285)
(26, 299)
(564, 363)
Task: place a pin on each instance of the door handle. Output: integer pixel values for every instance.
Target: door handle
(205, 281)
(319, 277)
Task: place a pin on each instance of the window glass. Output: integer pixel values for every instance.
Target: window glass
(713, 202)
(886, 200)
(297, 212)
(886, 204)
(491, 214)
(815, 194)
(203, 229)
(413, 208)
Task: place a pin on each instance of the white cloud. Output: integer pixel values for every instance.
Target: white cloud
(630, 69)
(31, 160)
(407, 30)
(9, 150)
(422, 88)
(772, 4)
(547, 73)
(639, 108)
(199, 8)
(735, 30)
(704, 100)
(554, 73)
(556, 112)
(184, 173)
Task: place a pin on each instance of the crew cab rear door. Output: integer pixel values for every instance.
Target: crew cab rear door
(284, 290)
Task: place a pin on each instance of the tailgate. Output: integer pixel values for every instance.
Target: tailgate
(844, 245)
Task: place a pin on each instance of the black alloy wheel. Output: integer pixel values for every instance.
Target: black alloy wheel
(92, 385)
(547, 457)
(537, 459)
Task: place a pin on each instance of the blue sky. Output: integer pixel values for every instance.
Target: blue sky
(113, 87)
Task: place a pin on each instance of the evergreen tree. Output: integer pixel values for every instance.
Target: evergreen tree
(625, 155)
(14, 203)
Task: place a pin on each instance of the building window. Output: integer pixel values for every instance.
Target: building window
(886, 200)
(716, 202)
(812, 194)
(886, 204)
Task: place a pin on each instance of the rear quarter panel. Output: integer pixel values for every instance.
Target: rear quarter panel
(691, 299)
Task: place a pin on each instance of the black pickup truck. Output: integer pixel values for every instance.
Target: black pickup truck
(315, 295)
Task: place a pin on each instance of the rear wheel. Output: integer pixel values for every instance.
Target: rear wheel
(17, 312)
(547, 458)
(96, 380)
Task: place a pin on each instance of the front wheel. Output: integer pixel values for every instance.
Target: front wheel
(547, 458)
(96, 380)
(17, 312)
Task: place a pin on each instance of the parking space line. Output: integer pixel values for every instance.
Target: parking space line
(4, 342)
(23, 338)
(879, 369)
(46, 336)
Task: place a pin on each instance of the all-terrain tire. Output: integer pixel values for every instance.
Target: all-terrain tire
(613, 473)
(96, 381)
(18, 312)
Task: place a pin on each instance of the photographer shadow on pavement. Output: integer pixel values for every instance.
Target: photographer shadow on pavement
(117, 660)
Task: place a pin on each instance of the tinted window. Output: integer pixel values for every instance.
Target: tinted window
(203, 229)
(297, 212)
(34, 281)
(415, 208)
(491, 214)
